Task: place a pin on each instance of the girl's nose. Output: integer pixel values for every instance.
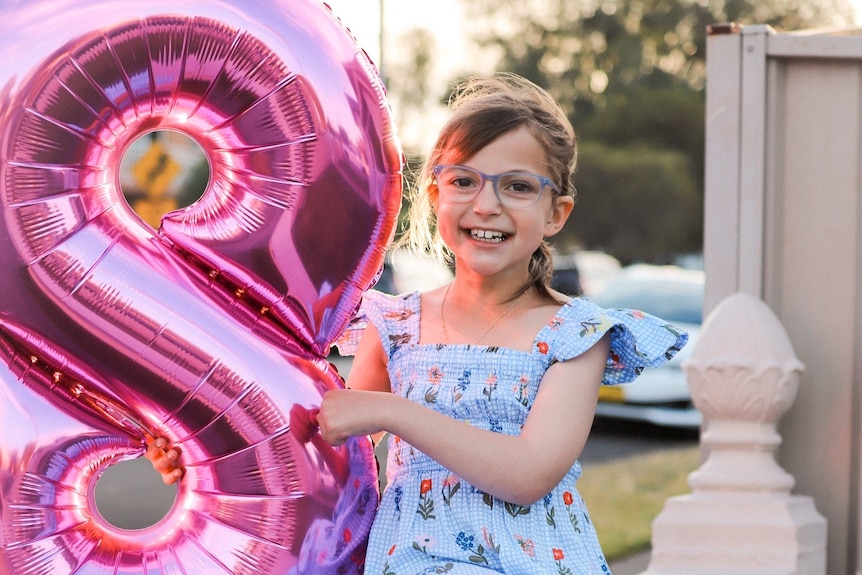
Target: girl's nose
(486, 201)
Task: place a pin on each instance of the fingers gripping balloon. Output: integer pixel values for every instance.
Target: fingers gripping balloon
(212, 331)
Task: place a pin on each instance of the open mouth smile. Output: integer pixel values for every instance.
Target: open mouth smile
(488, 236)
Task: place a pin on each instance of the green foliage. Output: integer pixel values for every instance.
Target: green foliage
(670, 116)
(638, 203)
(625, 496)
(582, 51)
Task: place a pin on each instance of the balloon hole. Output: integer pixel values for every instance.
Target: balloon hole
(162, 171)
(130, 495)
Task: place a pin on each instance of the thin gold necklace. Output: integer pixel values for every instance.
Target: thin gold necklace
(490, 327)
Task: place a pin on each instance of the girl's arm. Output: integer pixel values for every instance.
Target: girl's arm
(551, 440)
(368, 370)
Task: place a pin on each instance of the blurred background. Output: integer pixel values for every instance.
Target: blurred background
(629, 73)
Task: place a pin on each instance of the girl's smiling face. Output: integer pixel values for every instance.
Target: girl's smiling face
(487, 237)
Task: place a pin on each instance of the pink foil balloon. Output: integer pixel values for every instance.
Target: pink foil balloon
(212, 331)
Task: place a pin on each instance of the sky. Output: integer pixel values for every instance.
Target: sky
(363, 19)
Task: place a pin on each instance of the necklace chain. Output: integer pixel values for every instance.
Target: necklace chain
(490, 327)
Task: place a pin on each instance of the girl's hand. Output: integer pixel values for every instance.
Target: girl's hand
(165, 460)
(347, 412)
(303, 423)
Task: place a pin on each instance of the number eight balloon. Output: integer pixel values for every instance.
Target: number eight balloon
(211, 331)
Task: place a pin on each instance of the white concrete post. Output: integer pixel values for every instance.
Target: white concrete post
(741, 517)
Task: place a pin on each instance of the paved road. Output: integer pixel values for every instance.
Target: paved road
(616, 439)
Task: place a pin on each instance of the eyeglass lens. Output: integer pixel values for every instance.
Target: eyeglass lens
(513, 189)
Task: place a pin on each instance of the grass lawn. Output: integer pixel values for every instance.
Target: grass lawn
(625, 496)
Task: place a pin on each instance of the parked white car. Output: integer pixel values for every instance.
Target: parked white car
(659, 396)
(406, 271)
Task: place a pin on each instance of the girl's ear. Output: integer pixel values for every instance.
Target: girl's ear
(559, 213)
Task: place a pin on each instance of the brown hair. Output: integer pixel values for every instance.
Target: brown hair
(483, 109)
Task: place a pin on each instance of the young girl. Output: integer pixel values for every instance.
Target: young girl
(488, 385)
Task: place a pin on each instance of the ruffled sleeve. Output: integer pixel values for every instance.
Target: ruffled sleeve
(395, 317)
(638, 340)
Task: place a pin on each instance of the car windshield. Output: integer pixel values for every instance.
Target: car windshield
(674, 301)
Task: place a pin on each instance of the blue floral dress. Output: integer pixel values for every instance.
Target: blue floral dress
(432, 521)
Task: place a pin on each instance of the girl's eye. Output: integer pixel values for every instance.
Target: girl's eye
(463, 182)
(520, 184)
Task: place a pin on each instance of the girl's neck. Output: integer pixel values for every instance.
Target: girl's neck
(483, 291)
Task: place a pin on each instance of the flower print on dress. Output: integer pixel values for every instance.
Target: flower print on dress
(488, 500)
(451, 485)
(636, 314)
(386, 570)
(466, 543)
(558, 557)
(550, 510)
(397, 491)
(435, 374)
(674, 349)
(399, 314)
(490, 385)
(460, 387)
(424, 542)
(515, 510)
(594, 326)
(527, 546)
(395, 451)
(398, 339)
(426, 501)
(521, 390)
(568, 499)
(489, 541)
(436, 569)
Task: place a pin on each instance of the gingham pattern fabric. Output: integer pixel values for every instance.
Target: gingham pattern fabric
(431, 521)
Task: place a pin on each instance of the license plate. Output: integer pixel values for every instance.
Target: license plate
(612, 393)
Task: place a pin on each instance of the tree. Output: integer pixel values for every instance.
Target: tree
(641, 204)
(583, 50)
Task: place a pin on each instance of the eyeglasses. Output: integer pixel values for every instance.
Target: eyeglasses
(513, 189)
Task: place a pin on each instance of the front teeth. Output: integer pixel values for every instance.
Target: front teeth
(487, 235)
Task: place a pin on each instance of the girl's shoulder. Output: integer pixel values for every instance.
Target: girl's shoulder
(638, 340)
(392, 315)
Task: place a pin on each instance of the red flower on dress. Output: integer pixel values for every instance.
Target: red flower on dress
(543, 347)
(435, 374)
(425, 487)
(567, 498)
(392, 550)
(558, 554)
(348, 536)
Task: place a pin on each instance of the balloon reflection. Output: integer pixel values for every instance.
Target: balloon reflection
(211, 331)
